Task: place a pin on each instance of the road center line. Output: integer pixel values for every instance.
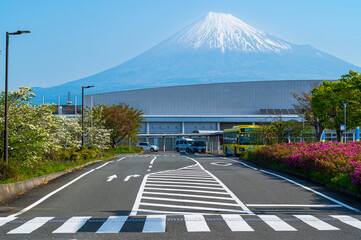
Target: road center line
(151, 162)
(103, 165)
(121, 159)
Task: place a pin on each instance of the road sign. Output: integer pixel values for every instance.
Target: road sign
(342, 127)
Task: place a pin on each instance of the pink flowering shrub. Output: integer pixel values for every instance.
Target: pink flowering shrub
(331, 159)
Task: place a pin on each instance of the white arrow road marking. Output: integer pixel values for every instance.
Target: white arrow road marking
(111, 177)
(128, 177)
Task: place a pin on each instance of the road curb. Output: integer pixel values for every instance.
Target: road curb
(11, 190)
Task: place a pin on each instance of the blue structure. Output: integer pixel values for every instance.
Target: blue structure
(357, 134)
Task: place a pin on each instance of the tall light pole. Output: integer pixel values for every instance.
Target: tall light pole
(344, 121)
(82, 114)
(6, 135)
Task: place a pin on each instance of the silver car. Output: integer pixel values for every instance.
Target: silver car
(148, 147)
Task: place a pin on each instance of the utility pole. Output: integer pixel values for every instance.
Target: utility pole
(6, 134)
(82, 114)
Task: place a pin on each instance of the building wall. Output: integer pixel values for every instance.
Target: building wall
(237, 98)
(173, 111)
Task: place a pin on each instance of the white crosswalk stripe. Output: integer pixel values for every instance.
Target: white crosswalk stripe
(276, 223)
(348, 220)
(236, 223)
(72, 225)
(31, 225)
(155, 223)
(316, 223)
(194, 223)
(113, 224)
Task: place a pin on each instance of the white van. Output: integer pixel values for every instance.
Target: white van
(183, 144)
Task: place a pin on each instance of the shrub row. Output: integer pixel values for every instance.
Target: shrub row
(337, 164)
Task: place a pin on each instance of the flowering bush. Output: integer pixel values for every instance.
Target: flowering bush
(332, 159)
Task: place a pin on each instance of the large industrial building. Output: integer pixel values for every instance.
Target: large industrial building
(204, 110)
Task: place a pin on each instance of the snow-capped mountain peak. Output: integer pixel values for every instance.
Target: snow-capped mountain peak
(226, 32)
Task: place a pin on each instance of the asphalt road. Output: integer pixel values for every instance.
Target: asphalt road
(178, 196)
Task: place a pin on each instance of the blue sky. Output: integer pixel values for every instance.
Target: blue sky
(72, 39)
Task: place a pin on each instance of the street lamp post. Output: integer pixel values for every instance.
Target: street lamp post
(6, 135)
(82, 114)
(344, 121)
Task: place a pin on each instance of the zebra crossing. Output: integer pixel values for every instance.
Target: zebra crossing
(193, 223)
(187, 190)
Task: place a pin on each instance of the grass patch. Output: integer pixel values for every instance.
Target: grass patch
(54, 162)
(123, 149)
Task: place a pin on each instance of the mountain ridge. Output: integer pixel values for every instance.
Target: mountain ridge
(197, 54)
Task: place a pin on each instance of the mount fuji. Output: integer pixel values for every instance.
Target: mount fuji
(216, 48)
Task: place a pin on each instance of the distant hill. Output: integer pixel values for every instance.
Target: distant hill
(216, 48)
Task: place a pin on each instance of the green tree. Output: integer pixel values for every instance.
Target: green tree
(280, 131)
(65, 133)
(327, 103)
(97, 134)
(304, 108)
(124, 121)
(29, 126)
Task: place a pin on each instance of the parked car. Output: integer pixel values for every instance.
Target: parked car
(199, 147)
(183, 144)
(148, 147)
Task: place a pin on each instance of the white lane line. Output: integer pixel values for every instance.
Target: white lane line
(171, 212)
(148, 170)
(190, 166)
(139, 196)
(103, 165)
(186, 186)
(294, 205)
(31, 225)
(316, 223)
(49, 195)
(184, 175)
(186, 190)
(190, 201)
(188, 195)
(241, 204)
(5, 220)
(182, 180)
(121, 159)
(150, 166)
(196, 223)
(241, 163)
(192, 207)
(236, 223)
(151, 162)
(72, 225)
(155, 223)
(189, 183)
(276, 223)
(348, 220)
(113, 224)
(208, 179)
(314, 191)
